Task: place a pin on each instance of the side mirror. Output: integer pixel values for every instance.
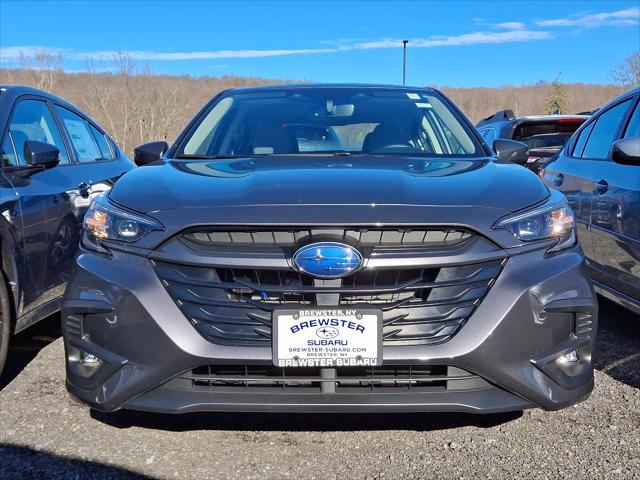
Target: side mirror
(149, 152)
(40, 154)
(511, 151)
(626, 151)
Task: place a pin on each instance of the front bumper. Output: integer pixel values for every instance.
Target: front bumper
(538, 309)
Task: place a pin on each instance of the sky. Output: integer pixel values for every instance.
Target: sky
(454, 43)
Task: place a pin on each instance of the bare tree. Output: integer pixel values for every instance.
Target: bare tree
(42, 68)
(97, 97)
(627, 73)
(135, 105)
(126, 104)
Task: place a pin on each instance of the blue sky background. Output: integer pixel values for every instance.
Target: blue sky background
(465, 43)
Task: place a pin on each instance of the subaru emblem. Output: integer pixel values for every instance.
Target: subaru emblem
(327, 332)
(327, 260)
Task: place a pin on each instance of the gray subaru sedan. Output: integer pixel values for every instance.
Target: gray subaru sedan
(332, 248)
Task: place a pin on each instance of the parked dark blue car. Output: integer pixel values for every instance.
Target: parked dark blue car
(599, 172)
(54, 160)
(545, 134)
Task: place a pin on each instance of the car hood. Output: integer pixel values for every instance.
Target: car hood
(300, 180)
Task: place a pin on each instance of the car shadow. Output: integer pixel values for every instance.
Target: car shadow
(24, 346)
(301, 422)
(618, 344)
(27, 463)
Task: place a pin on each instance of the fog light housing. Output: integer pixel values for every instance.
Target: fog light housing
(89, 359)
(569, 357)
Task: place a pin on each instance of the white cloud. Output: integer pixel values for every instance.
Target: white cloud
(511, 26)
(485, 38)
(628, 16)
(27, 51)
(516, 35)
(197, 55)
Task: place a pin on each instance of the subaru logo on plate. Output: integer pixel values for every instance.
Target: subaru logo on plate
(327, 260)
(327, 332)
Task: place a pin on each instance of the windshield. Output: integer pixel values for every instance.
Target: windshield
(311, 120)
(551, 141)
(548, 135)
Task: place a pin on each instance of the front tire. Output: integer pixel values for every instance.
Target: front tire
(5, 322)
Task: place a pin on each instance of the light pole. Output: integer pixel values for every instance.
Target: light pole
(404, 61)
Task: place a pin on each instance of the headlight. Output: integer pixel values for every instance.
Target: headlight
(105, 222)
(544, 223)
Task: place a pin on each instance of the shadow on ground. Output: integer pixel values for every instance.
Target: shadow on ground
(24, 346)
(29, 464)
(618, 345)
(301, 422)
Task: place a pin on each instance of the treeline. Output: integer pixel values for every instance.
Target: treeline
(135, 105)
(481, 102)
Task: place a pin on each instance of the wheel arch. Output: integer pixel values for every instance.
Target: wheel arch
(9, 268)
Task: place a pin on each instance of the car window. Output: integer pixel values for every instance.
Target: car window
(633, 129)
(547, 137)
(101, 140)
(7, 155)
(489, 136)
(582, 140)
(604, 132)
(84, 143)
(32, 120)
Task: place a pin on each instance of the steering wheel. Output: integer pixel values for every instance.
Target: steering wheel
(394, 146)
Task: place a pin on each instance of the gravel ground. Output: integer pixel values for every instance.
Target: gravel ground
(44, 434)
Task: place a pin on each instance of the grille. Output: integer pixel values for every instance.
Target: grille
(583, 323)
(391, 378)
(433, 238)
(233, 306)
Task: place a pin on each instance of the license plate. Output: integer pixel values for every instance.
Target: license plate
(330, 337)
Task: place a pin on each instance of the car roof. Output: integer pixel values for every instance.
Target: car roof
(15, 91)
(548, 117)
(528, 118)
(302, 86)
(630, 93)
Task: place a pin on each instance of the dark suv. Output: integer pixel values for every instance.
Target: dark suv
(330, 248)
(599, 172)
(545, 134)
(54, 160)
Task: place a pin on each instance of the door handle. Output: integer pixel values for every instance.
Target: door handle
(601, 187)
(84, 189)
(558, 180)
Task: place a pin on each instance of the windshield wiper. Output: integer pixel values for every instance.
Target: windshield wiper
(209, 157)
(261, 155)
